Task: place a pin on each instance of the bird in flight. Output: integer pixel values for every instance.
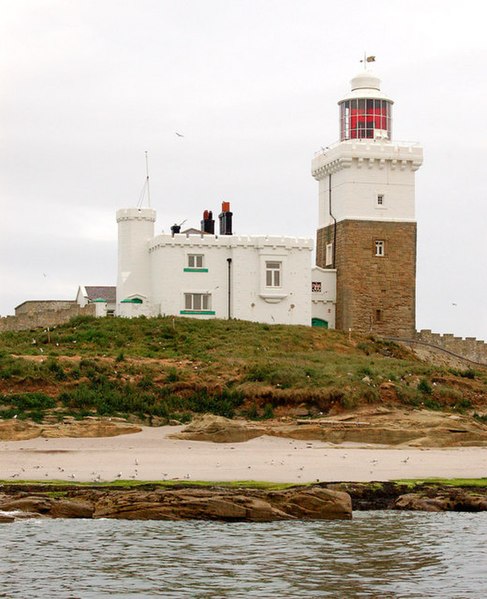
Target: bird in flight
(179, 134)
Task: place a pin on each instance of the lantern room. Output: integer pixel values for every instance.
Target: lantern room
(366, 113)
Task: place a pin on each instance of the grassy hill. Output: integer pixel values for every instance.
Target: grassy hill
(170, 368)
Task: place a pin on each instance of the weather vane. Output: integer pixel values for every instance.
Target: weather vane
(367, 59)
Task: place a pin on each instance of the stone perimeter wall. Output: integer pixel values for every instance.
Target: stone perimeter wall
(470, 348)
(44, 317)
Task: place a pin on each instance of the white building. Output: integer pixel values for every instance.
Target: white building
(203, 275)
(104, 298)
(366, 243)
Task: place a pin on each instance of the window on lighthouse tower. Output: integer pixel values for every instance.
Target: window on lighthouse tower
(379, 247)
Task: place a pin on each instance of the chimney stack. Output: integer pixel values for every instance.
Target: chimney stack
(175, 229)
(225, 219)
(208, 223)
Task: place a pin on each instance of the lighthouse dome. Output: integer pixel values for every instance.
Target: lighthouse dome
(365, 85)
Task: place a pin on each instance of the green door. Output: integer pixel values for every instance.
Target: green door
(319, 322)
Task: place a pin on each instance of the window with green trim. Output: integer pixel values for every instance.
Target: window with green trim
(197, 302)
(195, 260)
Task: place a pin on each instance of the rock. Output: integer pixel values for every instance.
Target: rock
(32, 504)
(5, 518)
(65, 508)
(413, 501)
(90, 428)
(315, 503)
(300, 411)
(18, 430)
(219, 430)
(49, 506)
(431, 500)
(253, 505)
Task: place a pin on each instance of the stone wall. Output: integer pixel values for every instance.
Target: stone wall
(35, 306)
(48, 317)
(470, 348)
(375, 294)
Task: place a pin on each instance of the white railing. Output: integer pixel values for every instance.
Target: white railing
(363, 142)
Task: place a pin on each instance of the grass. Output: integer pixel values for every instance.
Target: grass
(134, 485)
(448, 482)
(480, 483)
(174, 367)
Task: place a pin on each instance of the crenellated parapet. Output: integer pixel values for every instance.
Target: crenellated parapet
(471, 348)
(367, 154)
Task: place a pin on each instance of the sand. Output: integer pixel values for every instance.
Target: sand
(151, 455)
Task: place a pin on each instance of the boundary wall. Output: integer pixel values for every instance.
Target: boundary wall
(49, 317)
(470, 349)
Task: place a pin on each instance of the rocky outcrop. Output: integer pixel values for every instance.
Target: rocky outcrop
(219, 430)
(415, 428)
(251, 505)
(224, 504)
(5, 518)
(48, 506)
(18, 430)
(455, 500)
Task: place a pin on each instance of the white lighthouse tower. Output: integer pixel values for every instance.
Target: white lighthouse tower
(135, 230)
(367, 228)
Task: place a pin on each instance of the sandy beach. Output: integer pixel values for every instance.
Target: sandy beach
(151, 455)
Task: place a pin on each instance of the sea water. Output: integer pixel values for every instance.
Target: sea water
(377, 554)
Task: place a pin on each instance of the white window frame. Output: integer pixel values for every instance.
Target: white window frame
(196, 260)
(329, 254)
(273, 274)
(197, 302)
(380, 248)
(380, 200)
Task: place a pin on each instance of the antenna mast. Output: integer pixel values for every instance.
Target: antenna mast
(147, 179)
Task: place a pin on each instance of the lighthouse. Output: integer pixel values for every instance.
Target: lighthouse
(367, 227)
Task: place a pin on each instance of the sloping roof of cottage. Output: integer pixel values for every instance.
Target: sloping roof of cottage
(107, 293)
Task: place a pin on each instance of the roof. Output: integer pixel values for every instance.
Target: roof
(107, 293)
(193, 231)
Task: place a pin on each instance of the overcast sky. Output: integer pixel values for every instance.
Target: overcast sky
(87, 86)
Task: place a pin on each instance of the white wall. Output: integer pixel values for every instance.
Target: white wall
(81, 296)
(360, 171)
(323, 303)
(135, 230)
(250, 298)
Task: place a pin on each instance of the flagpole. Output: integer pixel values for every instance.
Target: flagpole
(147, 180)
